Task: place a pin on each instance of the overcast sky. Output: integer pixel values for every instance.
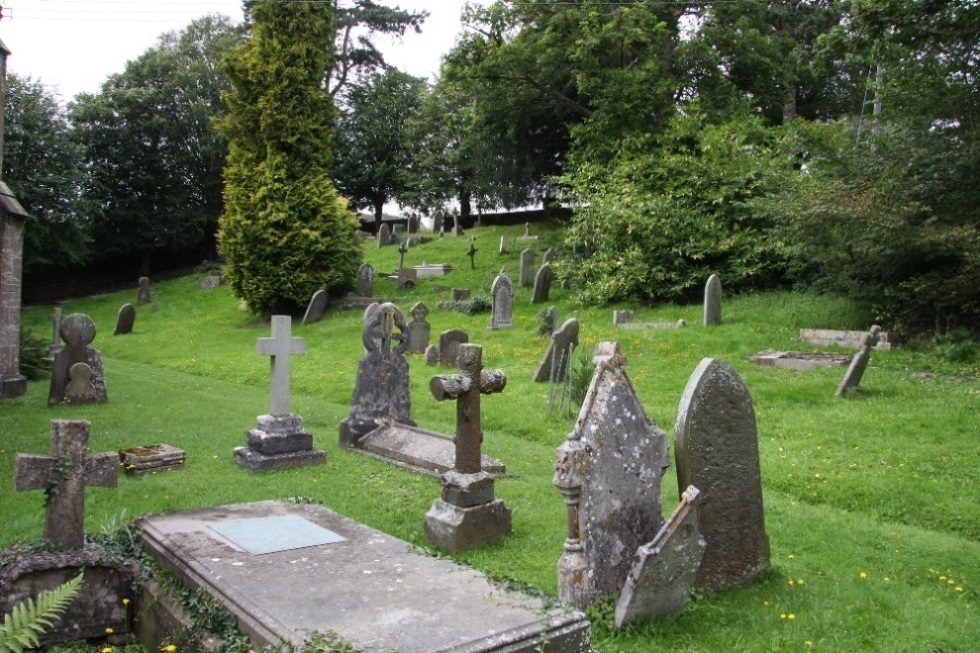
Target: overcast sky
(71, 46)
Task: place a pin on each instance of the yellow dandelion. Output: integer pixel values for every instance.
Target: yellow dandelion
(125, 601)
(109, 631)
(951, 582)
(942, 578)
(792, 582)
(863, 575)
(169, 648)
(106, 649)
(959, 589)
(800, 582)
(791, 616)
(782, 616)
(791, 556)
(808, 643)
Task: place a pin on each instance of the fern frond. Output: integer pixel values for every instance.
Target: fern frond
(24, 625)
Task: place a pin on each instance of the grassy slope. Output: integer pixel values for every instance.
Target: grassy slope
(886, 484)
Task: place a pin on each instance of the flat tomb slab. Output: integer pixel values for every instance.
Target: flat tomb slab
(152, 457)
(375, 591)
(799, 360)
(419, 450)
(852, 339)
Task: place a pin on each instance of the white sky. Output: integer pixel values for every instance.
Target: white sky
(71, 46)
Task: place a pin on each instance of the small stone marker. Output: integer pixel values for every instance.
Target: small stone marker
(717, 451)
(527, 268)
(460, 294)
(457, 227)
(209, 282)
(472, 254)
(663, 570)
(381, 392)
(608, 471)
(527, 233)
(468, 515)
(55, 319)
(365, 280)
(125, 320)
(419, 330)
(852, 378)
(502, 297)
(712, 301)
(143, 294)
(449, 342)
(549, 255)
(503, 245)
(78, 332)
(562, 340)
(623, 317)
(407, 278)
(151, 458)
(384, 235)
(64, 475)
(432, 355)
(542, 284)
(316, 307)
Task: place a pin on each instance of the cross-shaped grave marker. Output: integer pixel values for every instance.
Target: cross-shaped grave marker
(280, 347)
(402, 250)
(63, 476)
(472, 254)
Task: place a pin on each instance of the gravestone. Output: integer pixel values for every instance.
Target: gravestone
(712, 301)
(502, 297)
(608, 471)
(549, 321)
(527, 268)
(209, 282)
(407, 278)
(798, 360)
(437, 222)
(471, 252)
(432, 355)
(365, 280)
(527, 233)
(717, 451)
(459, 294)
(555, 358)
(623, 317)
(279, 441)
(384, 235)
(503, 246)
(449, 342)
(316, 307)
(549, 255)
(852, 378)
(78, 332)
(419, 330)
(457, 227)
(418, 450)
(381, 391)
(125, 320)
(413, 224)
(542, 284)
(81, 388)
(850, 339)
(55, 319)
(12, 219)
(402, 251)
(151, 458)
(143, 293)
(468, 514)
(432, 269)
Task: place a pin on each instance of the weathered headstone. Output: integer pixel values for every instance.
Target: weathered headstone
(449, 342)
(384, 235)
(438, 222)
(542, 284)
(432, 355)
(623, 317)
(549, 255)
(365, 280)
(852, 378)
(502, 297)
(527, 268)
(381, 392)
(209, 282)
(527, 233)
(419, 329)
(80, 388)
(457, 227)
(279, 441)
(316, 307)
(608, 471)
(503, 245)
(125, 320)
(460, 294)
(407, 278)
(717, 451)
(78, 332)
(143, 293)
(712, 301)
(63, 475)
(468, 514)
(549, 321)
(555, 359)
(12, 219)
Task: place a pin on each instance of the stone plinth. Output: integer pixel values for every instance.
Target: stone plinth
(279, 442)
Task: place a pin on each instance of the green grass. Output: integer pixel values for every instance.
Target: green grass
(885, 484)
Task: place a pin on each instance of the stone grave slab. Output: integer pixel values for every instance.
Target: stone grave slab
(850, 339)
(261, 535)
(799, 360)
(432, 270)
(375, 591)
(151, 458)
(422, 451)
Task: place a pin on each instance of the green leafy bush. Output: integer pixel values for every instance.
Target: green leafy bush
(468, 307)
(34, 352)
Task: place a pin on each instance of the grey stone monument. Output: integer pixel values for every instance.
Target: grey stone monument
(449, 342)
(717, 451)
(527, 268)
(316, 307)
(542, 284)
(468, 514)
(413, 224)
(555, 358)
(407, 279)
(384, 235)
(712, 301)
(502, 298)
(279, 441)
(125, 320)
(12, 218)
(852, 378)
(78, 332)
(432, 355)
(143, 292)
(381, 392)
(437, 222)
(365, 280)
(419, 329)
(503, 245)
(608, 472)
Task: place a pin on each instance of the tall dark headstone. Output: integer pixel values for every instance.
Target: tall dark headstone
(125, 320)
(717, 451)
(78, 332)
(555, 359)
(542, 284)
(449, 342)
(527, 268)
(384, 235)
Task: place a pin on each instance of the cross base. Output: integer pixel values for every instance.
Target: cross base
(456, 529)
(279, 442)
(12, 385)
(259, 462)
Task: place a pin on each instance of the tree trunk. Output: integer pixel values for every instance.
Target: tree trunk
(379, 206)
(465, 206)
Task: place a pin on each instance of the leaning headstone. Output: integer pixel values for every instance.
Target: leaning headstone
(316, 307)
(384, 235)
(419, 329)
(365, 280)
(381, 392)
(468, 515)
(549, 255)
(664, 569)
(852, 378)
(78, 332)
(717, 451)
(555, 359)
(449, 342)
(125, 320)
(279, 441)
(432, 355)
(143, 294)
(527, 268)
(542, 284)
(502, 298)
(608, 471)
(712, 301)
(503, 245)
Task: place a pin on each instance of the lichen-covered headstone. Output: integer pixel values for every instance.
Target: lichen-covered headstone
(449, 342)
(365, 280)
(407, 279)
(419, 329)
(542, 284)
(502, 298)
(526, 277)
(555, 359)
(125, 320)
(712, 301)
(717, 451)
(852, 378)
(78, 332)
(608, 471)
(316, 307)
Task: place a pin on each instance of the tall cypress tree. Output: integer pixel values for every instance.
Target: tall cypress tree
(285, 232)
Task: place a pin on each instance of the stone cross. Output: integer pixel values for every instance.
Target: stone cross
(280, 347)
(852, 378)
(63, 476)
(402, 249)
(466, 388)
(472, 254)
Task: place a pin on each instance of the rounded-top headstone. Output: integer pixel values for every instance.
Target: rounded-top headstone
(125, 320)
(712, 301)
(78, 329)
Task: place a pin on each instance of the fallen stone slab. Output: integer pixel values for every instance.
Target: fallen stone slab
(419, 450)
(799, 360)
